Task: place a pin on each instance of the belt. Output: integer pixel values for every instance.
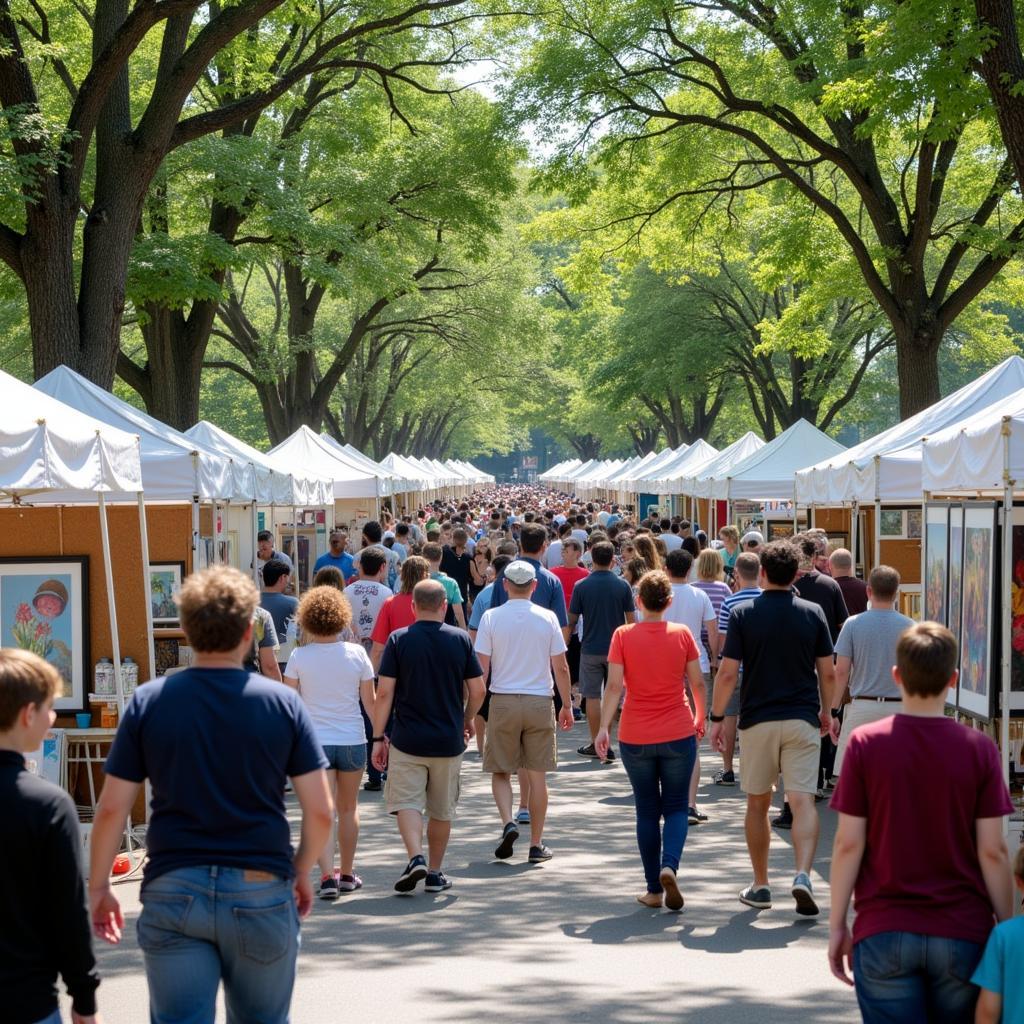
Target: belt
(881, 700)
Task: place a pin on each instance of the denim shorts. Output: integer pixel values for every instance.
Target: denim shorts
(346, 758)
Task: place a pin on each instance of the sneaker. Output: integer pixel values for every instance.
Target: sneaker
(724, 778)
(509, 835)
(804, 896)
(587, 750)
(372, 787)
(784, 820)
(757, 896)
(523, 817)
(415, 872)
(541, 853)
(577, 715)
(610, 756)
(328, 888)
(437, 881)
(673, 897)
(349, 883)
(696, 817)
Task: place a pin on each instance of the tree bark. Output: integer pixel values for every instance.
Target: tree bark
(1002, 67)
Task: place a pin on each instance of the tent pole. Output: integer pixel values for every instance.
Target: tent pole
(926, 497)
(877, 536)
(108, 573)
(195, 532)
(854, 530)
(218, 532)
(254, 524)
(146, 581)
(295, 550)
(1006, 611)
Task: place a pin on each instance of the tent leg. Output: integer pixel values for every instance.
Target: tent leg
(144, 535)
(1007, 613)
(195, 532)
(878, 533)
(255, 525)
(108, 572)
(854, 526)
(295, 550)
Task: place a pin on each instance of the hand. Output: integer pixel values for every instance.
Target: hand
(92, 1018)
(701, 727)
(717, 738)
(379, 757)
(601, 743)
(834, 730)
(106, 916)
(825, 719)
(840, 952)
(565, 719)
(303, 890)
(468, 730)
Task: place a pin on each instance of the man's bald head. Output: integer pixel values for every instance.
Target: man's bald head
(428, 599)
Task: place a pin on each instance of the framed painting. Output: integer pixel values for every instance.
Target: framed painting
(977, 598)
(44, 608)
(914, 522)
(779, 530)
(164, 582)
(1016, 616)
(891, 524)
(936, 563)
(954, 591)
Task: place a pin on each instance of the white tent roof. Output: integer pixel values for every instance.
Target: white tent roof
(631, 481)
(969, 456)
(174, 467)
(46, 445)
(768, 473)
(598, 472)
(624, 472)
(420, 479)
(275, 484)
(442, 477)
(699, 480)
(391, 482)
(578, 471)
(552, 473)
(307, 449)
(888, 465)
(670, 477)
(473, 474)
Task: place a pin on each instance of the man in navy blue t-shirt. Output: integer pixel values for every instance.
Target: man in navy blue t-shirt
(430, 673)
(217, 744)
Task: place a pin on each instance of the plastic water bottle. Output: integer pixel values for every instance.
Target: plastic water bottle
(129, 675)
(103, 679)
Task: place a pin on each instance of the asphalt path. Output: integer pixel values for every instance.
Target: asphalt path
(563, 941)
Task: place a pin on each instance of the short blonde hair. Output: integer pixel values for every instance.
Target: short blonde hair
(710, 565)
(324, 611)
(217, 606)
(731, 532)
(25, 679)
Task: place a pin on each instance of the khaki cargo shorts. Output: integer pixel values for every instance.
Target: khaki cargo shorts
(792, 747)
(520, 734)
(429, 785)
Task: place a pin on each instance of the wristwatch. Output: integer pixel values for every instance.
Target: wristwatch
(836, 712)
(716, 718)
(379, 739)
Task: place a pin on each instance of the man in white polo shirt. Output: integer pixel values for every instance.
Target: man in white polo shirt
(522, 644)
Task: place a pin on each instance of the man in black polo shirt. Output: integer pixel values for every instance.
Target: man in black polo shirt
(784, 644)
(432, 671)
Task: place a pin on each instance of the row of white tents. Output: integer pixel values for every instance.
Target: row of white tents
(65, 441)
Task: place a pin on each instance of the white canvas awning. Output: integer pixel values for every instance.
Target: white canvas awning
(308, 449)
(699, 481)
(669, 477)
(416, 475)
(887, 467)
(632, 482)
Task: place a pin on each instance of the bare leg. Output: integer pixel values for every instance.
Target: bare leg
(348, 818)
(758, 834)
(594, 717)
(538, 806)
(805, 829)
(481, 728)
(437, 842)
(410, 825)
(729, 738)
(326, 859)
(524, 788)
(501, 787)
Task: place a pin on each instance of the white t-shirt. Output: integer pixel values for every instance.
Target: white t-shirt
(673, 542)
(691, 607)
(581, 536)
(367, 597)
(520, 638)
(329, 676)
(553, 555)
(559, 518)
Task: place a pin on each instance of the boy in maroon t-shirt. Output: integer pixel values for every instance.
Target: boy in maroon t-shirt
(920, 844)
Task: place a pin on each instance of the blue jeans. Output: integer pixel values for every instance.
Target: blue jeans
(660, 776)
(54, 1018)
(203, 924)
(903, 976)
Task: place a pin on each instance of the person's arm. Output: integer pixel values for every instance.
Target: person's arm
(989, 1009)
(475, 691)
(291, 681)
(381, 712)
(268, 664)
(609, 705)
(711, 625)
(725, 683)
(629, 617)
(563, 683)
(317, 822)
(460, 616)
(994, 861)
(112, 810)
(843, 666)
(826, 687)
(376, 653)
(695, 678)
(485, 662)
(847, 855)
(368, 696)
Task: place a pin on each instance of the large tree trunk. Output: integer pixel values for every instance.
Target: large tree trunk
(176, 346)
(1002, 67)
(917, 367)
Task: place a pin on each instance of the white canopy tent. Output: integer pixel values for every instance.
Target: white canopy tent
(552, 474)
(48, 448)
(983, 456)
(632, 483)
(670, 476)
(698, 482)
(422, 481)
(308, 449)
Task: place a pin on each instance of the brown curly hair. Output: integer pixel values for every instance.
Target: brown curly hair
(216, 607)
(655, 591)
(324, 611)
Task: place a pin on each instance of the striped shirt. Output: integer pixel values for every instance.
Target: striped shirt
(746, 594)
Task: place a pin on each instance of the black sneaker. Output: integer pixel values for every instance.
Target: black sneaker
(610, 756)
(784, 820)
(696, 817)
(758, 897)
(509, 835)
(372, 787)
(415, 872)
(437, 881)
(328, 888)
(539, 854)
(587, 750)
(725, 778)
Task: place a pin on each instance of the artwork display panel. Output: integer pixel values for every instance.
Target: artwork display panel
(976, 690)
(164, 582)
(936, 563)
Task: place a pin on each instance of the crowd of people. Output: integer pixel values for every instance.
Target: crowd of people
(498, 621)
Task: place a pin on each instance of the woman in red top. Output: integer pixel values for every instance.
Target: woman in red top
(396, 612)
(658, 732)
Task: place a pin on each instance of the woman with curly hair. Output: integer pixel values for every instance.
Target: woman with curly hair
(332, 677)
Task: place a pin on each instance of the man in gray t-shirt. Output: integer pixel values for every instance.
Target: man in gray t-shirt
(865, 655)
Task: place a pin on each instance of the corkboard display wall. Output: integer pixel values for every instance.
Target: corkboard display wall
(45, 531)
(905, 557)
